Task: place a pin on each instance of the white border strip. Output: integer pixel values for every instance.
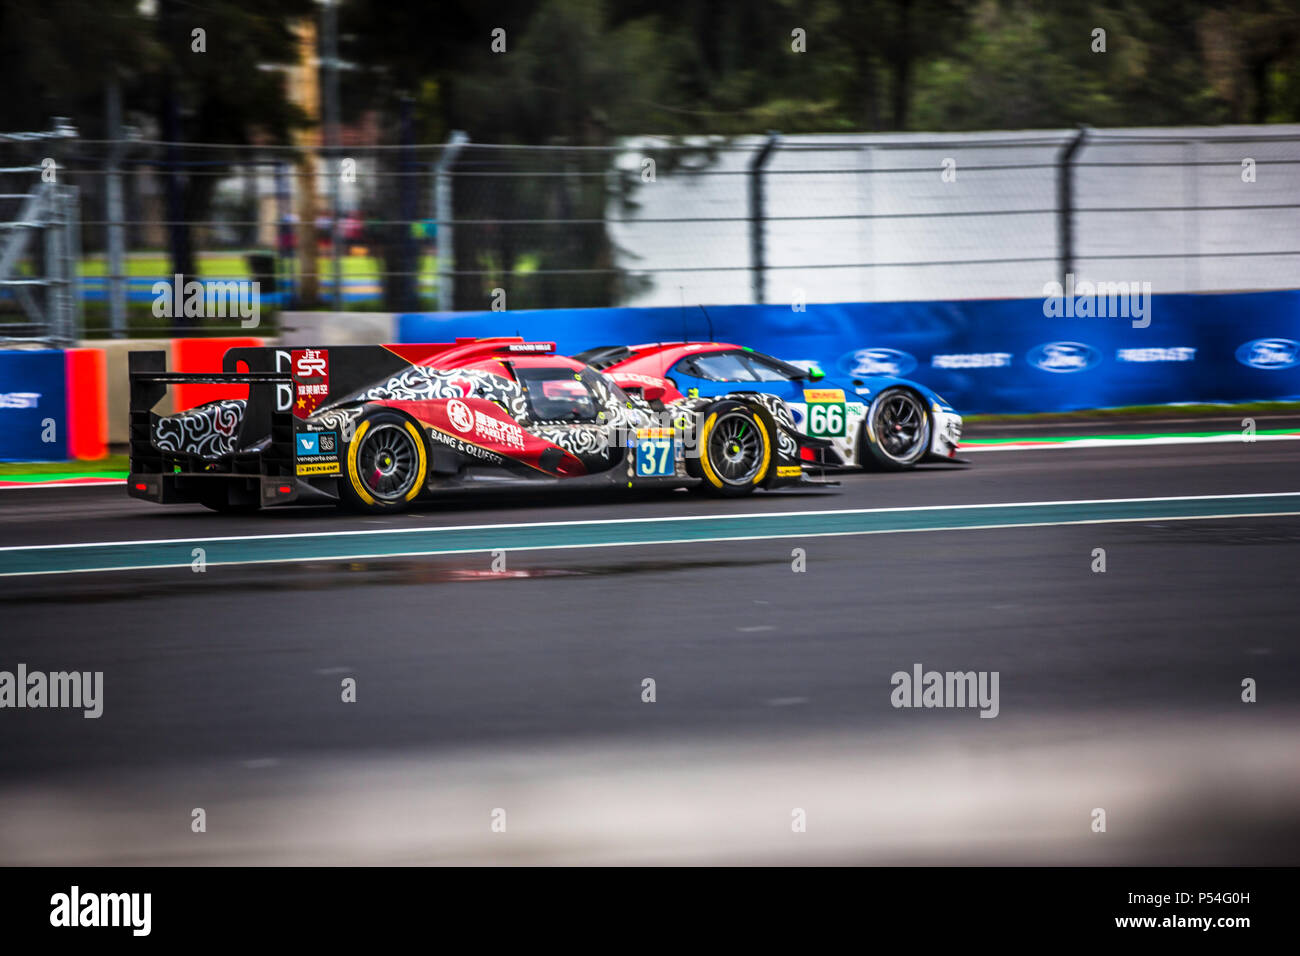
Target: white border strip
(389, 555)
(739, 516)
(24, 485)
(1121, 442)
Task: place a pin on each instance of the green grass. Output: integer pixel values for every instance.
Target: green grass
(118, 464)
(1141, 411)
(234, 265)
(141, 322)
(112, 465)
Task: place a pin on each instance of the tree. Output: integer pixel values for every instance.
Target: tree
(219, 86)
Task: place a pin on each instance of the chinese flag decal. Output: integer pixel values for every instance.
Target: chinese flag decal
(311, 379)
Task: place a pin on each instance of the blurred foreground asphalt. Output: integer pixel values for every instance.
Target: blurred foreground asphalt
(522, 690)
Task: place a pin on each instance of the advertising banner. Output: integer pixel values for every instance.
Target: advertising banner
(33, 405)
(1084, 348)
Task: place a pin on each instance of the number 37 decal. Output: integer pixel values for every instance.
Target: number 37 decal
(656, 452)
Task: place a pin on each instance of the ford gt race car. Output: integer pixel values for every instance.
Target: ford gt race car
(374, 428)
(878, 421)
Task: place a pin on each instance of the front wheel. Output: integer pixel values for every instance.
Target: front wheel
(735, 451)
(386, 464)
(896, 434)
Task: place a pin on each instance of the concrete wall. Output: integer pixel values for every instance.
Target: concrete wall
(118, 397)
(298, 329)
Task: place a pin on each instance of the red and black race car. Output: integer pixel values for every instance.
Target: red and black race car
(375, 428)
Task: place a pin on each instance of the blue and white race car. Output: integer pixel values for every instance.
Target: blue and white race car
(876, 421)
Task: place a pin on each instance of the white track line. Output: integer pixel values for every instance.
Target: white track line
(738, 516)
(797, 535)
(1119, 442)
(22, 485)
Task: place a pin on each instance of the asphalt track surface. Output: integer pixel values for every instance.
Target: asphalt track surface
(522, 688)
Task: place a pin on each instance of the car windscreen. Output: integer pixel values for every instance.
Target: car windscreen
(718, 367)
(743, 366)
(769, 369)
(557, 395)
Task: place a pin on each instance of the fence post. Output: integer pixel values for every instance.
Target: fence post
(115, 213)
(72, 239)
(1065, 195)
(285, 233)
(409, 260)
(446, 248)
(333, 152)
(60, 268)
(55, 290)
(757, 252)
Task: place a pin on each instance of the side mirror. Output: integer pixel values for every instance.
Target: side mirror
(652, 393)
(815, 375)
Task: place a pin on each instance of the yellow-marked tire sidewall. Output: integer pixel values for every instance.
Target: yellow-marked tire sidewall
(710, 475)
(354, 478)
(705, 432)
(418, 486)
(761, 476)
(353, 447)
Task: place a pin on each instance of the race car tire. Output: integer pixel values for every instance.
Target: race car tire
(385, 464)
(735, 450)
(896, 433)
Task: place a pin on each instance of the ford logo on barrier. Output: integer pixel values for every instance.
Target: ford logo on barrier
(1270, 353)
(866, 362)
(1063, 357)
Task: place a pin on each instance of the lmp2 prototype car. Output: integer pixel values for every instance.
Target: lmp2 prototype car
(878, 422)
(375, 428)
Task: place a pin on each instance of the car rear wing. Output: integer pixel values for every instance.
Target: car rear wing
(266, 414)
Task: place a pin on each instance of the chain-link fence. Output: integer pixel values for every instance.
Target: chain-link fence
(466, 226)
(39, 241)
(961, 216)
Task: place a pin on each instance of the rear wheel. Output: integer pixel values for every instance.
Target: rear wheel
(735, 451)
(386, 464)
(896, 434)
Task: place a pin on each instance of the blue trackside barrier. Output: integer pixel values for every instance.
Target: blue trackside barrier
(33, 405)
(998, 355)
